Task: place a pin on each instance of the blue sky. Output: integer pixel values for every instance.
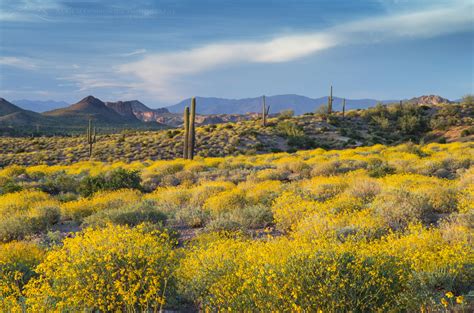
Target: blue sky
(160, 52)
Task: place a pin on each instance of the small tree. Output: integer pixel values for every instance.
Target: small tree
(468, 100)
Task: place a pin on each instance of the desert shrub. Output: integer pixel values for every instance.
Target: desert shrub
(26, 213)
(286, 114)
(171, 198)
(246, 218)
(105, 200)
(59, 182)
(226, 201)
(289, 208)
(365, 189)
(9, 186)
(400, 207)
(272, 174)
(114, 180)
(340, 221)
(120, 268)
(192, 216)
(238, 275)
(17, 263)
(381, 121)
(261, 193)
(205, 190)
(379, 168)
(322, 188)
(132, 215)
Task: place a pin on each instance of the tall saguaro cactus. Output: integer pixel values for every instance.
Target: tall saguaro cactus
(186, 132)
(192, 131)
(91, 137)
(265, 111)
(343, 108)
(330, 103)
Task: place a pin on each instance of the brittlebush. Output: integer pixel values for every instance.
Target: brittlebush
(110, 269)
(371, 229)
(17, 263)
(281, 275)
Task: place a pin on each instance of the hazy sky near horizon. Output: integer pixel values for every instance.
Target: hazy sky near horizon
(161, 52)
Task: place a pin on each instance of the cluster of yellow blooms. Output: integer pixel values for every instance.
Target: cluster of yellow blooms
(367, 229)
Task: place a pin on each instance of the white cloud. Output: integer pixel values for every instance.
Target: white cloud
(158, 73)
(88, 81)
(23, 63)
(132, 53)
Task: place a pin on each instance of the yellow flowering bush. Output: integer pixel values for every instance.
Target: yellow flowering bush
(17, 262)
(229, 274)
(289, 208)
(115, 268)
(25, 213)
(104, 200)
(370, 229)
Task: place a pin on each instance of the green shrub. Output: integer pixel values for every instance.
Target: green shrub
(192, 216)
(130, 215)
(19, 226)
(379, 168)
(10, 186)
(246, 218)
(114, 180)
(59, 182)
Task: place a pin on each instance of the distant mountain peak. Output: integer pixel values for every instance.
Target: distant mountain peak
(92, 107)
(89, 101)
(90, 98)
(136, 109)
(429, 99)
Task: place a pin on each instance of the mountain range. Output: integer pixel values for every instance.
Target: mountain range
(73, 118)
(135, 114)
(212, 105)
(299, 104)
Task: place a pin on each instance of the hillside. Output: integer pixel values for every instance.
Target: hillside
(12, 116)
(380, 125)
(8, 108)
(299, 104)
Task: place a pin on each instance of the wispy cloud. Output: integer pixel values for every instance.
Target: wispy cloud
(132, 53)
(158, 73)
(95, 80)
(22, 63)
(61, 10)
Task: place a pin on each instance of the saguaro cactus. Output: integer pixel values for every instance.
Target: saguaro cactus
(91, 137)
(343, 108)
(330, 103)
(192, 131)
(186, 132)
(265, 111)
